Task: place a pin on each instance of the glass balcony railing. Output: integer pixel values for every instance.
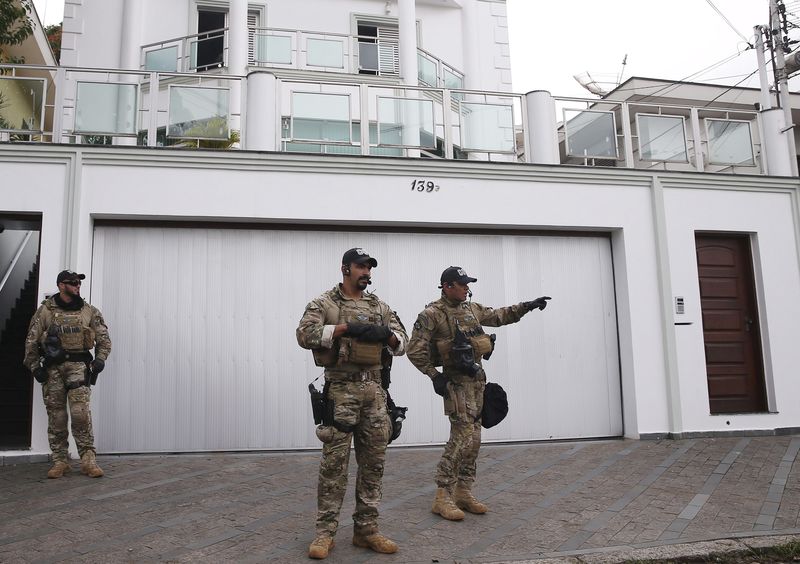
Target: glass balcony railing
(154, 108)
(199, 52)
(298, 50)
(433, 71)
(650, 135)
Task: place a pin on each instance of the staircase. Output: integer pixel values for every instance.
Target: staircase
(16, 382)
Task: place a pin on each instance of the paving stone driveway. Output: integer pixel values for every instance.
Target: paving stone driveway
(565, 501)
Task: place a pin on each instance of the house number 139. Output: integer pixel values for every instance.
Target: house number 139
(422, 185)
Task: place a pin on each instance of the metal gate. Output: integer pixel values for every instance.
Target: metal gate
(203, 323)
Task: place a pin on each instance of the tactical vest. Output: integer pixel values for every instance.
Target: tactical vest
(465, 320)
(74, 332)
(347, 354)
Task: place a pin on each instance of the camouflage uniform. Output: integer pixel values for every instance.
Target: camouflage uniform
(433, 332)
(359, 407)
(64, 381)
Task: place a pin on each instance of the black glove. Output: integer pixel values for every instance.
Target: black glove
(440, 384)
(97, 365)
(40, 374)
(369, 332)
(538, 303)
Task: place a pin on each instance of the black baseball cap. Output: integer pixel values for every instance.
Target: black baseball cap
(358, 255)
(69, 275)
(456, 274)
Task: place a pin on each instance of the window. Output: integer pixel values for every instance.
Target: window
(729, 142)
(378, 47)
(208, 49)
(590, 134)
(662, 138)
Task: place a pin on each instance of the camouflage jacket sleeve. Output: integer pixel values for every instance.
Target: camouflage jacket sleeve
(102, 340)
(399, 331)
(36, 329)
(312, 324)
(419, 347)
(496, 317)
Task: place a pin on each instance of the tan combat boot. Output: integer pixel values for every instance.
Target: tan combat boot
(320, 547)
(59, 469)
(376, 542)
(466, 501)
(443, 505)
(89, 465)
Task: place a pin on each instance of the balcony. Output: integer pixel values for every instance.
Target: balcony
(298, 50)
(171, 109)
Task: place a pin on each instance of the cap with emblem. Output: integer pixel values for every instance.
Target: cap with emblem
(358, 255)
(456, 274)
(69, 275)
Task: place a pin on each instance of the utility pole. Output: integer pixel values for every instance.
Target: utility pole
(779, 40)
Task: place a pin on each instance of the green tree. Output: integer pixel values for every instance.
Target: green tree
(15, 27)
(53, 33)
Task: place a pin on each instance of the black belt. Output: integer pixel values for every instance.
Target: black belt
(362, 376)
(83, 356)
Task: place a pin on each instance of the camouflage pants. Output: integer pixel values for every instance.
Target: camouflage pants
(56, 400)
(363, 406)
(463, 407)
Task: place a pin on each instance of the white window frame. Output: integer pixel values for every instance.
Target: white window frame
(752, 162)
(685, 138)
(566, 133)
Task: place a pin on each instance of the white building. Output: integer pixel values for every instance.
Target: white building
(672, 257)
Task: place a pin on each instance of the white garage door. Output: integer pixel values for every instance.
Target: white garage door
(203, 325)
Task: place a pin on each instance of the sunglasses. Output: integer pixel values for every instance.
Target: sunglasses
(73, 282)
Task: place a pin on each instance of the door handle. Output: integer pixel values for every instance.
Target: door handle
(748, 322)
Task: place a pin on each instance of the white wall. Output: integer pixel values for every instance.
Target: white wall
(45, 193)
(348, 191)
(93, 29)
(769, 218)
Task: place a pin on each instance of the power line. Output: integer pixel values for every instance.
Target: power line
(729, 89)
(727, 21)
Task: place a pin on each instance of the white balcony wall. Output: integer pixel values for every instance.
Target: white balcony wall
(661, 365)
(89, 40)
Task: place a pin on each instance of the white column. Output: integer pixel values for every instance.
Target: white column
(409, 69)
(470, 32)
(237, 38)
(132, 17)
(408, 42)
(776, 141)
(261, 127)
(129, 56)
(542, 132)
(237, 55)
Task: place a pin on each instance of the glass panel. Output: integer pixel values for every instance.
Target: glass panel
(590, 134)
(321, 117)
(21, 102)
(661, 138)
(368, 56)
(324, 53)
(452, 80)
(487, 127)
(405, 121)
(730, 142)
(106, 108)
(427, 70)
(198, 113)
(193, 55)
(165, 59)
(276, 49)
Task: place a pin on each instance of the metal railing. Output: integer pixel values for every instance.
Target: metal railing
(648, 135)
(150, 108)
(198, 52)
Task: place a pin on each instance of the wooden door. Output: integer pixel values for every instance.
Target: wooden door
(731, 330)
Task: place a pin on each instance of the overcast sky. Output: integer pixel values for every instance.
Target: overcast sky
(552, 40)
